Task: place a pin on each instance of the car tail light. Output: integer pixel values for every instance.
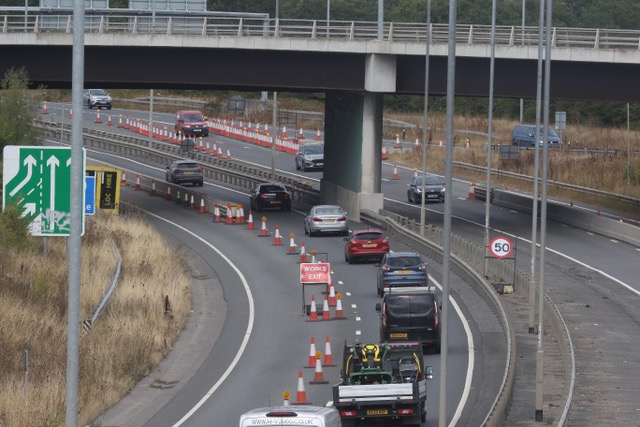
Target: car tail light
(199, 169)
(348, 413)
(263, 196)
(407, 411)
(176, 171)
(286, 195)
(342, 218)
(316, 219)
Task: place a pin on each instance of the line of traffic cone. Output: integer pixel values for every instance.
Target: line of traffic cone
(137, 183)
(168, 195)
(293, 248)
(301, 394)
(203, 208)
(229, 215)
(216, 213)
(384, 153)
(339, 312)
(312, 354)
(326, 315)
(328, 356)
(240, 214)
(303, 254)
(109, 123)
(332, 296)
(318, 375)
(153, 188)
(123, 181)
(277, 239)
(395, 173)
(44, 108)
(263, 229)
(98, 116)
(192, 203)
(313, 311)
(250, 224)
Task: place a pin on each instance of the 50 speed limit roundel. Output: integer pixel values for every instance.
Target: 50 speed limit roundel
(500, 247)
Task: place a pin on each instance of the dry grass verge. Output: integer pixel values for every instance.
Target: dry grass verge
(128, 340)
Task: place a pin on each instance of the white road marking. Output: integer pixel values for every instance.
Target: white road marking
(354, 306)
(614, 241)
(358, 319)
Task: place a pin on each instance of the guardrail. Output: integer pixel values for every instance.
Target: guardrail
(119, 21)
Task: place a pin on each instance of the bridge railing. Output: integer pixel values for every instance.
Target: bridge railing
(407, 32)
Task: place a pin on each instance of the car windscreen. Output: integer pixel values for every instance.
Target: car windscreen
(314, 149)
(429, 180)
(271, 189)
(405, 261)
(187, 166)
(193, 118)
(328, 211)
(97, 92)
(368, 236)
(410, 306)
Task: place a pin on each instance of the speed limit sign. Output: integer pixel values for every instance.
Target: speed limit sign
(500, 247)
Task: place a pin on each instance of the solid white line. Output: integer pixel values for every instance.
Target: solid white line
(247, 333)
(471, 358)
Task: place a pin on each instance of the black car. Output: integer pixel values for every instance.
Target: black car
(310, 156)
(433, 189)
(411, 314)
(185, 171)
(401, 269)
(269, 196)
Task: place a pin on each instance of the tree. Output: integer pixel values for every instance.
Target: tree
(18, 110)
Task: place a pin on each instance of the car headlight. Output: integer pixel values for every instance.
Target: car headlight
(418, 189)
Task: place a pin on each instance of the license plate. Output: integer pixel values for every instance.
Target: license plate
(188, 173)
(398, 335)
(403, 272)
(377, 411)
(432, 196)
(329, 220)
(275, 202)
(369, 245)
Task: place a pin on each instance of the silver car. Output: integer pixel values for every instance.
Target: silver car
(310, 156)
(185, 171)
(96, 98)
(326, 219)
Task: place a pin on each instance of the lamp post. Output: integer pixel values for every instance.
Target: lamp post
(628, 151)
(425, 127)
(522, 42)
(328, 15)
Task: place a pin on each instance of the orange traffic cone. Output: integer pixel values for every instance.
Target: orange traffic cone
(240, 214)
(229, 216)
(301, 134)
(472, 194)
(301, 395)
(137, 182)
(120, 121)
(384, 153)
(168, 196)
(417, 144)
(284, 132)
(328, 357)
(332, 296)
(216, 214)
(109, 123)
(312, 353)
(318, 135)
(326, 315)
(339, 312)
(318, 376)
(303, 253)
(277, 239)
(220, 156)
(203, 208)
(123, 181)
(250, 224)
(98, 116)
(263, 230)
(398, 141)
(44, 108)
(70, 113)
(292, 245)
(395, 172)
(313, 311)
(153, 188)
(192, 204)
(228, 154)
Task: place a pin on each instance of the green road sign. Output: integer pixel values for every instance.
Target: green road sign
(38, 181)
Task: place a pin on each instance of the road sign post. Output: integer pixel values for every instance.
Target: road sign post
(313, 273)
(38, 181)
(501, 247)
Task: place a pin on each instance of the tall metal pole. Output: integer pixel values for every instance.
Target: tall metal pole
(274, 135)
(448, 166)
(73, 242)
(425, 128)
(522, 42)
(150, 115)
(536, 176)
(380, 19)
(26, 14)
(543, 219)
(328, 15)
(487, 204)
(628, 150)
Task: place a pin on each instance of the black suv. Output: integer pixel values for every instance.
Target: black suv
(411, 314)
(433, 189)
(270, 195)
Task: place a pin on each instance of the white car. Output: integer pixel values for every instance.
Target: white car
(97, 98)
(326, 219)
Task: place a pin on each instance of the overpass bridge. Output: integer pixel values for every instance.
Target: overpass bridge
(345, 60)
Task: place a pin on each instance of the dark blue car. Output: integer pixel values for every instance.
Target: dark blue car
(401, 269)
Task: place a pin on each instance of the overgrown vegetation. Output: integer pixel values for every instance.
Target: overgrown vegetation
(128, 340)
(18, 109)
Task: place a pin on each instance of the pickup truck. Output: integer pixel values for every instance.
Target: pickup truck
(386, 380)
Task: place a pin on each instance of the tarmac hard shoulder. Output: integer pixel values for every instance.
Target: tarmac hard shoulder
(193, 345)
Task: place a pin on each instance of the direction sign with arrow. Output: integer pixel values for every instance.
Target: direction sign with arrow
(38, 181)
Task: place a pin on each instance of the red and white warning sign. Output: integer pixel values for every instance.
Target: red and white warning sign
(314, 272)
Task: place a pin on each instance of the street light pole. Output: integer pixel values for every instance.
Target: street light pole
(380, 19)
(522, 42)
(328, 15)
(274, 135)
(425, 127)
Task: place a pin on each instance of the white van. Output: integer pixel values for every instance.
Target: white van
(292, 416)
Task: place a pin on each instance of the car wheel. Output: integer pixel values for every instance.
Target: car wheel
(409, 198)
(437, 348)
(346, 258)
(297, 166)
(89, 106)
(304, 167)
(109, 107)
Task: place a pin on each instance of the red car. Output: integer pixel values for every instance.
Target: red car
(367, 243)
